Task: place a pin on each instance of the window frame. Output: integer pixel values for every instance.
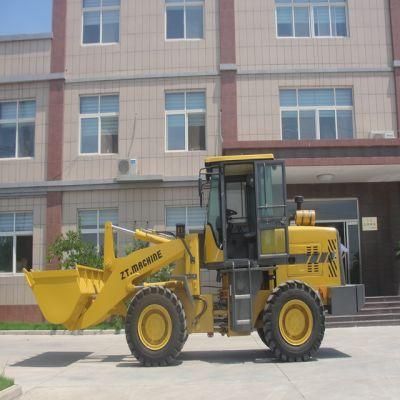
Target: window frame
(98, 116)
(317, 110)
(189, 229)
(184, 4)
(17, 121)
(185, 113)
(311, 21)
(14, 236)
(100, 10)
(99, 230)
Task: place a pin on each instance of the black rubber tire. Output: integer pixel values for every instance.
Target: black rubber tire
(168, 354)
(260, 332)
(279, 346)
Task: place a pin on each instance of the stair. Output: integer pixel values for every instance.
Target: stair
(377, 311)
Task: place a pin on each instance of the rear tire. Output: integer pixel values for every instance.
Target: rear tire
(294, 321)
(155, 326)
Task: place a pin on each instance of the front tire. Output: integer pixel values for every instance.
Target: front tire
(294, 322)
(260, 332)
(155, 326)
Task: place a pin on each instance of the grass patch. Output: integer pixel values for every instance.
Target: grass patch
(5, 382)
(25, 326)
(116, 323)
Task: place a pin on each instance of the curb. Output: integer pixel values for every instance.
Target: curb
(63, 333)
(11, 393)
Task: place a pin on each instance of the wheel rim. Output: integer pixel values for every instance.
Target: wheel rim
(296, 322)
(155, 327)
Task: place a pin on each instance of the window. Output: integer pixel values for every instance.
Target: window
(214, 207)
(311, 18)
(16, 241)
(236, 200)
(100, 21)
(185, 121)
(184, 19)
(271, 210)
(99, 124)
(309, 114)
(17, 129)
(193, 217)
(91, 224)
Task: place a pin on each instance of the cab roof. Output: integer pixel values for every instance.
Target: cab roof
(248, 157)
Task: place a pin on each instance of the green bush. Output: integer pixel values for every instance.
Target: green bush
(135, 245)
(117, 323)
(70, 249)
(5, 382)
(163, 275)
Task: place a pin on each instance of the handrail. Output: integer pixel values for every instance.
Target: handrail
(124, 230)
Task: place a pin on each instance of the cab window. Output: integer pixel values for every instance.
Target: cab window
(214, 209)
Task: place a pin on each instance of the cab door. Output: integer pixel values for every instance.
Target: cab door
(272, 220)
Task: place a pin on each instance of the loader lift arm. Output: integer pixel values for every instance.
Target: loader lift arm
(91, 296)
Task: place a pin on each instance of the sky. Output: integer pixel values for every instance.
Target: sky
(25, 16)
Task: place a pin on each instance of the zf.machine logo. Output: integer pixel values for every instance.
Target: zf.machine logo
(141, 264)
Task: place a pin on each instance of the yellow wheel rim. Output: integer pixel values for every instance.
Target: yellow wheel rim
(296, 322)
(154, 327)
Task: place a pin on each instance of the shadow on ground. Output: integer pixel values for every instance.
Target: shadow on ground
(256, 356)
(63, 359)
(238, 357)
(53, 359)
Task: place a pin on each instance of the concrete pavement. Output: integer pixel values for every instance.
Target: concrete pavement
(353, 363)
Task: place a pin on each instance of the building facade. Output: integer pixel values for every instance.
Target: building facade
(110, 116)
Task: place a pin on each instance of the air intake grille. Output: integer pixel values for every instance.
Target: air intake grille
(313, 268)
(312, 250)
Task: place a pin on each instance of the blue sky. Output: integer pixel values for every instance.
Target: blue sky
(25, 16)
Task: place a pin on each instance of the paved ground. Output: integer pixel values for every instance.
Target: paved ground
(353, 363)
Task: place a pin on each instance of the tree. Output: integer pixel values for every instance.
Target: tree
(70, 249)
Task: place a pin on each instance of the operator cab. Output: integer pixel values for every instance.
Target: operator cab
(247, 216)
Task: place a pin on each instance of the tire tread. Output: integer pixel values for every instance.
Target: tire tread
(171, 297)
(270, 340)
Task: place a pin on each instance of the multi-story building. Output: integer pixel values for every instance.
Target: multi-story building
(111, 115)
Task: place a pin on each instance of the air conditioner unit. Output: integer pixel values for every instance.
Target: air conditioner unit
(382, 135)
(127, 168)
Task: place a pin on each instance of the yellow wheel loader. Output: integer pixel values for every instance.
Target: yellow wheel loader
(277, 274)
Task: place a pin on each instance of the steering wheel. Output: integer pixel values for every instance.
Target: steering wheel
(230, 213)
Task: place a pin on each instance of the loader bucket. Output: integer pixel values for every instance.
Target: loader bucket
(64, 295)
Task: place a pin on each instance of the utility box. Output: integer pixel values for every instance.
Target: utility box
(347, 300)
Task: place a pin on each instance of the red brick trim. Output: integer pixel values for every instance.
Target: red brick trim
(342, 161)
(59, 35)
(55, 134)
(56, 97)
(20, 313)
(397, 88)
(228, 78)
(282, 144)
(395, 27)
(55, 131)
(53, 221)
(227, 31)
(228, 106)
(395, 22)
